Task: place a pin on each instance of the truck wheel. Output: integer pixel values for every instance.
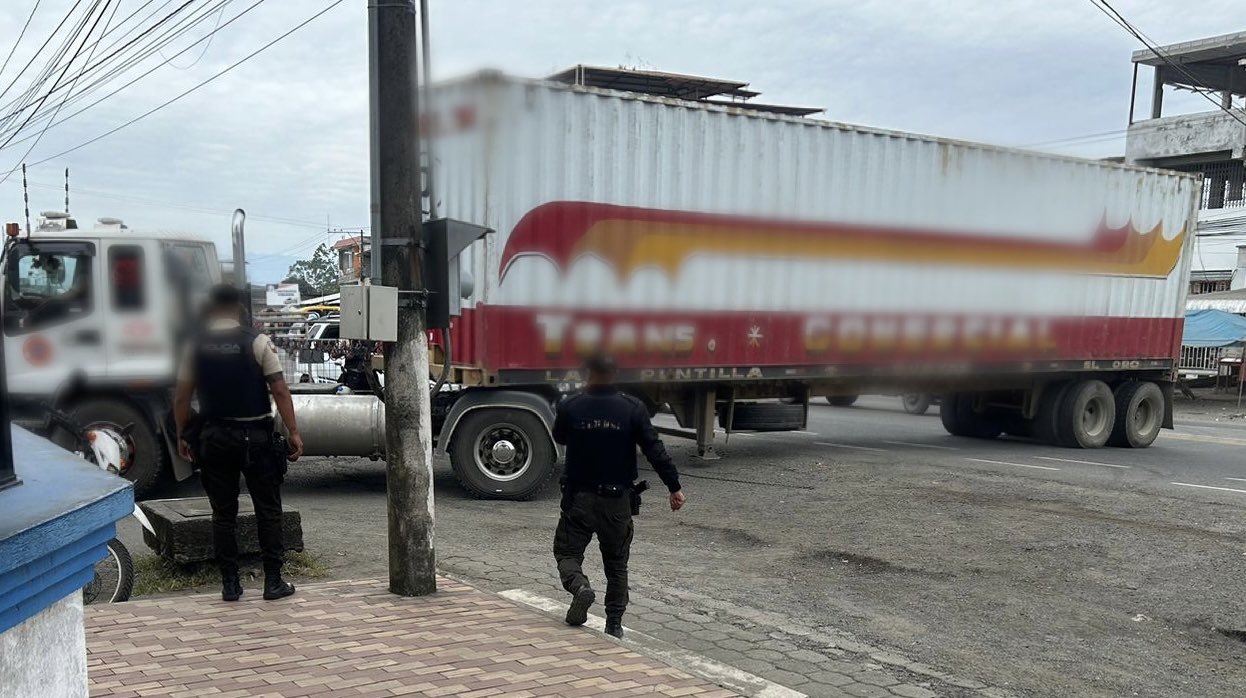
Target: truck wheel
(1139, 414)
(842, 400)
(144, 459)
(915, 403)
(765, 416)
(959, 419)
(1045, 422)
(502, 454)
(1087, 415)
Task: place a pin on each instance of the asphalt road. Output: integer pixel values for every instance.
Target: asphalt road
(1041, 570)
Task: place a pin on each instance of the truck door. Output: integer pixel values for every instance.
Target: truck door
(138, 341)
(53, 318)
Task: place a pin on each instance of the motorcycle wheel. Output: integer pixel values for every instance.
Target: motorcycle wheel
(114, 577)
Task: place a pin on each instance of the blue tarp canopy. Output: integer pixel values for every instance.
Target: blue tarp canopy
(1213, 328)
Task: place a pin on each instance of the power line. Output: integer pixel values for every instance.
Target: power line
(219, 16)
(1089, 138)
(1111, 12)
(246, 58)
(75, 80)
(39, 49)
(49, 68)
(20, 35)
(173, 33)
(109, 76)
(65, 70)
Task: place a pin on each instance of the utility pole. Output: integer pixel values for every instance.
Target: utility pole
(396, 255)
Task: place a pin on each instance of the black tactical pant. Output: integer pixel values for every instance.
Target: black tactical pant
(610, 518)
(226, 451)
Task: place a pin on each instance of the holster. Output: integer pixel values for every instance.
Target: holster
(280, 457)
(567, 494)
(635, 495)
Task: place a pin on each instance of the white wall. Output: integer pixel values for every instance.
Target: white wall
(47, 654)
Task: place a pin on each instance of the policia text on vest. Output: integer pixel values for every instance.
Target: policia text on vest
(602, 428)
(233, 371)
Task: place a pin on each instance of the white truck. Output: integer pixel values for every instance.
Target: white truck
(92, 318)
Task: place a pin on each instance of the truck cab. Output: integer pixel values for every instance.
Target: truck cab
(92, 319)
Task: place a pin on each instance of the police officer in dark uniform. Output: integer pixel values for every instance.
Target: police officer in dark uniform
(601, 428)
(233, 370)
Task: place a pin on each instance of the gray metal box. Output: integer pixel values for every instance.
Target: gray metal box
(354, 309)
(369, 313)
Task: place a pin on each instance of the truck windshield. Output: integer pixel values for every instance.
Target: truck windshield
(47, 283)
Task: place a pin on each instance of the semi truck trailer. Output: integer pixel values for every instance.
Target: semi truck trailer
(739, 261)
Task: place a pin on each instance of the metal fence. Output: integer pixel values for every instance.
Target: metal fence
(1224, 183)
(1201, 359)
(312, 351)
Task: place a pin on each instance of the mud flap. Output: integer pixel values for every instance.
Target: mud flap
(1166, 387)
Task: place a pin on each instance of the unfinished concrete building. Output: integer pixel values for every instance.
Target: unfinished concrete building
(1212, 139)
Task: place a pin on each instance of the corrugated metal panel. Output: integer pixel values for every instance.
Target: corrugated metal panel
(805, 218)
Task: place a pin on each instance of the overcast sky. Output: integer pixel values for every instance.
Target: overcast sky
(285, 134)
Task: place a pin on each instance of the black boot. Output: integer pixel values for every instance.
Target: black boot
(275, 587)
(580, 601)
(614, 626)
(231, 586)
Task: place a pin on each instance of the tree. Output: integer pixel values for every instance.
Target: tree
(317, 276)
(305, 289)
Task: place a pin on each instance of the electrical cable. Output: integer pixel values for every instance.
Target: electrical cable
(65, 70)
(148, 72)
(20, 35)
(157, 108)
(1113, 14)
(40, 49)
(44, 73)
(130, 61)
(75, 81)
(219, 15)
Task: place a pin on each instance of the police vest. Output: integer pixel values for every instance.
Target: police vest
(228, 380)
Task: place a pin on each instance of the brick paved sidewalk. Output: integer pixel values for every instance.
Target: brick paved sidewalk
(356, 639)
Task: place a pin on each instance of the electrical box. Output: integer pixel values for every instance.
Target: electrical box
(444, 240)
(369, 312)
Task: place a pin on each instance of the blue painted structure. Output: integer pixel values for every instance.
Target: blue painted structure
(54, 527)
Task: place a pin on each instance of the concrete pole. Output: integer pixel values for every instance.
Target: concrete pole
(1157, 94)
(396, 241)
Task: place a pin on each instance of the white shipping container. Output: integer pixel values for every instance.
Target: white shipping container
(720, 242)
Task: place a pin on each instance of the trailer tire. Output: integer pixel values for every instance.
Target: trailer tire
(486, 447)
(1139, 414)
(147, 454)
(842, 400)
(1087, 415)
(1046, 422)
(959, 419)
(916, 403)
(765, 416)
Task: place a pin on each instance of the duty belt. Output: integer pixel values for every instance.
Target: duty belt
(602, 490)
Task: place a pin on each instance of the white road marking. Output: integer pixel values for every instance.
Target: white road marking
(855, 448)
(805, 432)
(1236, 479)
(1019, 465)
(917, 445)
(1208, 487)
(721, 674)
(1083, 462)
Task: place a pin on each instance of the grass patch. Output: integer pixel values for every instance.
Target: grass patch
(155, 575)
